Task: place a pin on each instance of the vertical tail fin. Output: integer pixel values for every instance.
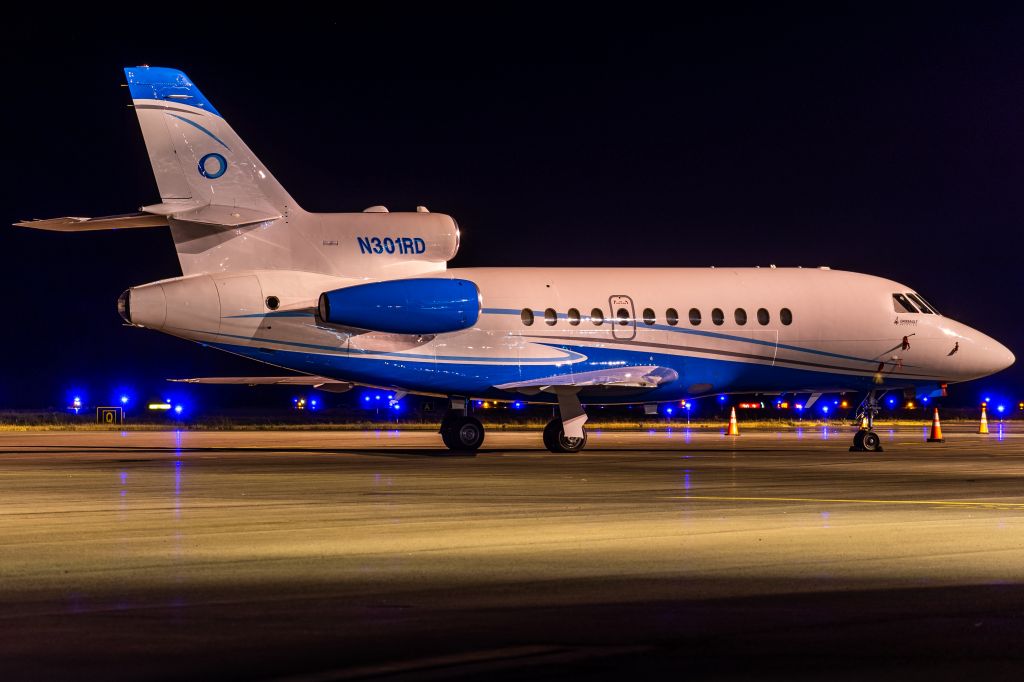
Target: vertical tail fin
(226, 212)
(198, 160)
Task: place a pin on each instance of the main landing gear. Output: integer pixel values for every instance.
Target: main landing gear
(565, 433)
(555, 439)
(462, 432)
(866, 440)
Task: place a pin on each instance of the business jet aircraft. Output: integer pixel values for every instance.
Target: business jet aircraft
(366, 299)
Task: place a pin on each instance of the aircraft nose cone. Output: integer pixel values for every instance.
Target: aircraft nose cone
(1004, 357)
(995, 356)
(974, 355)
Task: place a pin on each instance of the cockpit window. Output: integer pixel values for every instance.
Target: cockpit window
(902, 305)
(924, 305)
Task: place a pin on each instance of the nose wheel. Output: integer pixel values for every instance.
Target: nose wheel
(866, 440)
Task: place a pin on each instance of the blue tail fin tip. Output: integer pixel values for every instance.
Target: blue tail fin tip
(169, 85)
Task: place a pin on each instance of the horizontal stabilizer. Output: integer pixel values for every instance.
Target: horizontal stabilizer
(323, 383)
(647, 377)
(110, 222)
(213, 214)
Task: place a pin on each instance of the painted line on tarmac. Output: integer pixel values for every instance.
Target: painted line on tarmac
(941, 503)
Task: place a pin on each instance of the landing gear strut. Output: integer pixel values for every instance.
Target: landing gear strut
(460, 431)
(565, 433)
(555, 439)
(866, 440)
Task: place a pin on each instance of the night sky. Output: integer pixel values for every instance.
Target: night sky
(886, 144)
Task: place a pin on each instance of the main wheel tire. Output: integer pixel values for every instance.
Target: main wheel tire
(464, 434)
(555, 439)
(447, 431)
(858, 441)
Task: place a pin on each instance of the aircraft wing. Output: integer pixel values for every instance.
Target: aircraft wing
(645, 377)
(323, 383)
(110, 222)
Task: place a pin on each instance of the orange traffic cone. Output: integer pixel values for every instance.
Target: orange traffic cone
(734, 428)
(984, 421)
(936, 436)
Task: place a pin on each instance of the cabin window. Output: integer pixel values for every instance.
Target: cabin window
(694, 317)
(672, 316)
(920, 304)
(763, 317)
(740, 316)
(574, 317)
(550, 317)
(902, 304)
(597, 317)
(648, 316)
(786, 316)
(623, 316)
(526, 316)
(717, 316)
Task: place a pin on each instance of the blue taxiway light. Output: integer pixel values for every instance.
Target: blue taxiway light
(177, 409)
(124, 400)
(1001, 408)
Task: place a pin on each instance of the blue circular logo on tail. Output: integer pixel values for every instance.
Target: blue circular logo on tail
(212, 166)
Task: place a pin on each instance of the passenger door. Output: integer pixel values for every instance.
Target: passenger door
(622, 317)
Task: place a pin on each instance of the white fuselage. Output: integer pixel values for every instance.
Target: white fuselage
(843, 331)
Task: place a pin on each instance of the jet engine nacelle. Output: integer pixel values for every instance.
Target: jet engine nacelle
(404, 306)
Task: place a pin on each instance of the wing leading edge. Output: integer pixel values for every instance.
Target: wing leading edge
(322, 383)
(630, 378)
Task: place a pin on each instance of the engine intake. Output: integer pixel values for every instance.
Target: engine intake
(404, 306)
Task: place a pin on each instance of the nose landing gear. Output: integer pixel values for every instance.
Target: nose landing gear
(866, 440)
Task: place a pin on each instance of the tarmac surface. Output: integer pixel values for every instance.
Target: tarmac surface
(340, 555)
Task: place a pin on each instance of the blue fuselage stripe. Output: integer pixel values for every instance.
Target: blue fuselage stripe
(478, 380)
